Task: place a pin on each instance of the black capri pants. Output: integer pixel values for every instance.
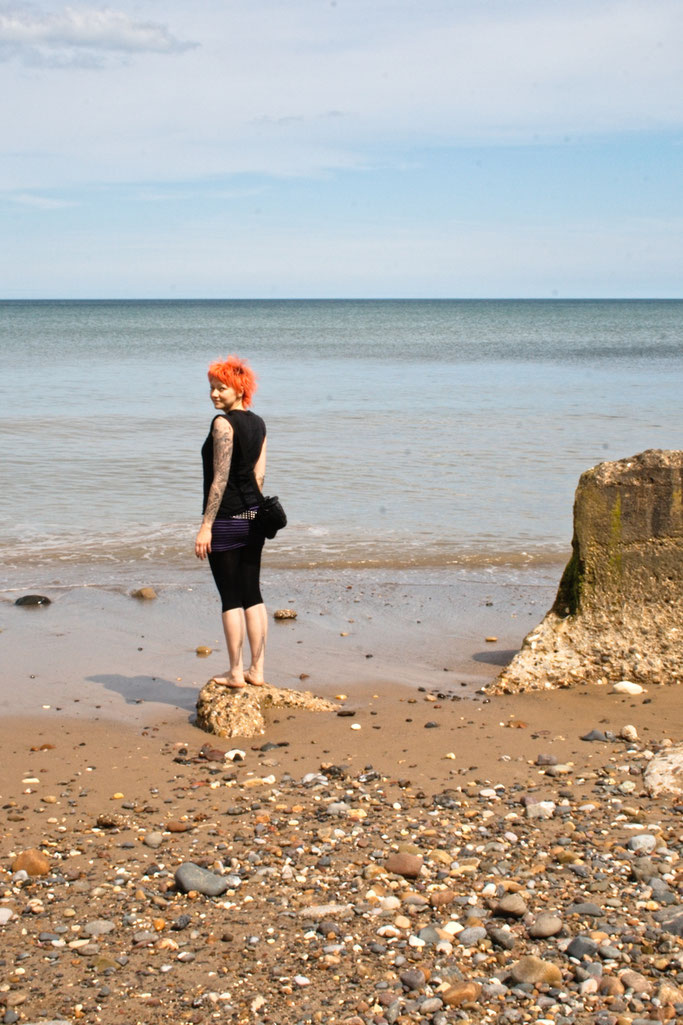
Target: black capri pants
(237, 571)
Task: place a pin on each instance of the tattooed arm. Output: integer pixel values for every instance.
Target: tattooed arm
(260, 466)
(222, 455)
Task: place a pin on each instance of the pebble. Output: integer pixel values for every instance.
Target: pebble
(32, 862)
(461, 993)
(643, 843)
(189, 876)
(413, 978)
(469, 937)
(99, 927)
(536, 971)
(581, 947)
(407, 865)
(627, 687)
(510, 906)
(153, 840)
(541, 810)
(395, 918)
(33, 599)
(145, 593)
(544, 926)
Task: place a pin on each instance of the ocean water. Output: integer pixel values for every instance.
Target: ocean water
(401, 433)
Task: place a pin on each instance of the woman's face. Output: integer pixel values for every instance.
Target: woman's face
(222, 395)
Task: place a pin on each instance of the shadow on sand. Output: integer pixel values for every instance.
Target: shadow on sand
(495, 658)
(136, 689)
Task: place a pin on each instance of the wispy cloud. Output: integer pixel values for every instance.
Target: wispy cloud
(37, 201)
(80, 35)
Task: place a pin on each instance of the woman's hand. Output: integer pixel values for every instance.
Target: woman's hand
(202, 545)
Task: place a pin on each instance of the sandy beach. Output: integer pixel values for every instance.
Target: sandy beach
(430, 856)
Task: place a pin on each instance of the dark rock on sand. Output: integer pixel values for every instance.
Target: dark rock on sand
(33, 599)
(671, 919)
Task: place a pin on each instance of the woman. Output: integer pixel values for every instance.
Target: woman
(234, 461)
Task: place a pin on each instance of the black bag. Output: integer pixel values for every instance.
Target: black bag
(270, 517)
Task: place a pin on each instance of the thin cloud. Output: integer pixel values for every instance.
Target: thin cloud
(39, 202)
(80, 36)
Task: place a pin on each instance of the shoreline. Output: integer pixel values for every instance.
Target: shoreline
(98, 650)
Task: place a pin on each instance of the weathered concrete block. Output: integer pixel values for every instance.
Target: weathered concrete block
(240, 713)
(618, 614)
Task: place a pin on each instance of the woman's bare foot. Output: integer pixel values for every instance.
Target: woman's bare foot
(235, 682)
(251, 677)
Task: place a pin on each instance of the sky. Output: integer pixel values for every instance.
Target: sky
(341, 148)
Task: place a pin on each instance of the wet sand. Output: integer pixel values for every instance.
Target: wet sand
(96, 651)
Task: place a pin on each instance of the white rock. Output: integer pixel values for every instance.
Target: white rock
(626, 687)
(628, 733)
(664, 773)
(542, 810)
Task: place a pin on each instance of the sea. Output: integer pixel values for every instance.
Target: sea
(401, 434)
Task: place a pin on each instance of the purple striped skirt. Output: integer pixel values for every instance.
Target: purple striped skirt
(234, 532)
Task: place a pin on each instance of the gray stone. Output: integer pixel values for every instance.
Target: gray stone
(587, 910)
(595, 735)
(581, 946)
(544, 926)
(431, 1005)
(189, 876)
(413, 978)
(429, 935)
(339, 809)
(502, 938)
(153, 840)
(621, 594)
(512, 905)
(99, 927)
(643, 843)
(609, 953)
(472, 935)
(6, 915)
(671, 919)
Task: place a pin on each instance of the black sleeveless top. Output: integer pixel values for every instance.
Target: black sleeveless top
(241, 491)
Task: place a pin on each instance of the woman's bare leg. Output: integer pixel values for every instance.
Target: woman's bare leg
(233, 627)
(257, 631)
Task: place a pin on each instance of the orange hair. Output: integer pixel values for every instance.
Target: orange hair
(237, 374)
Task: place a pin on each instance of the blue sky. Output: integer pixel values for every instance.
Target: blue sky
(275, 148)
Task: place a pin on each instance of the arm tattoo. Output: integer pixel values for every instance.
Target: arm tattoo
(222, 456)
